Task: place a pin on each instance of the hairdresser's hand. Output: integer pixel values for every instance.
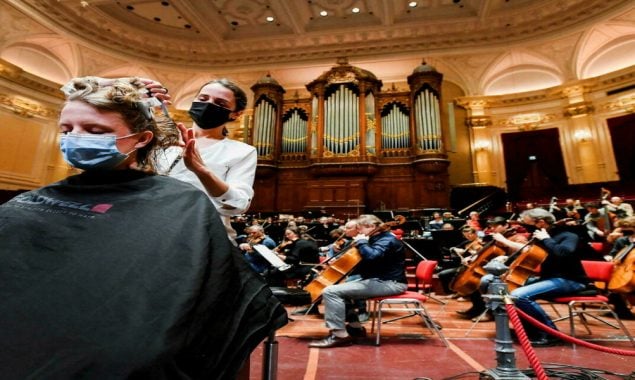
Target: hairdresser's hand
(157, 90)
(191, 156)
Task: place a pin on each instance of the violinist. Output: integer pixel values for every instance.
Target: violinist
(561, 272)
(337, 238)
(381, 271)
(256, 235)
(626, 229)
(297, 251)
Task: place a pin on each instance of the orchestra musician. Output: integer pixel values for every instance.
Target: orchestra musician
(596, 222)
(560, 273)
(626, 228)
(509, 237)
(256, 235)
(467, 251)
(573, 209)
(616, 206)
(301, 253)
(382, 273)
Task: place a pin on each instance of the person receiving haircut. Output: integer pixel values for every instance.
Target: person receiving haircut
(381, 271)
(224, 168)
(100, 281)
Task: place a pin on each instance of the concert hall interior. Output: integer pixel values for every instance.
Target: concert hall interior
(470, 109)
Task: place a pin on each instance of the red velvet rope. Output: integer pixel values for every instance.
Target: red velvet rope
(525, 344)
(564, 336)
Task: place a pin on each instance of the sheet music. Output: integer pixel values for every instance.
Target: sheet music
(271, 257)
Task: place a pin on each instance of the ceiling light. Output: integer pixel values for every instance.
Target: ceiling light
(324, 13)
(412, 4)
(355, 10)
(269, 19)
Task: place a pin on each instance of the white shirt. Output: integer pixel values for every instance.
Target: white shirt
(232, 161)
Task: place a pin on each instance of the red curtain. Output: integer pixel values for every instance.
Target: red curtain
(533, 164)
(622, 130)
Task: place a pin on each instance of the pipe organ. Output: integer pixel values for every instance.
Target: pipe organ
(427, 120)
(341, 122)
(294, 132)
(350, 147)
(265, 120)
(395, 127)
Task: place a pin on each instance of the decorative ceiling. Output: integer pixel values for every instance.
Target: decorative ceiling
(230, 33)
(483, 46)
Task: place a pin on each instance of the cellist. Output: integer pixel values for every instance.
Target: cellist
(561, 272)
(510, 238)
(382, 273)
(626, 228)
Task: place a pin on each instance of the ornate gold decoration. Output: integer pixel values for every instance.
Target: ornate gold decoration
(578, 109)
(478, 121)
(25, 108)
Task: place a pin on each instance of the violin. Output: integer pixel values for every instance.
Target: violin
(282, 245)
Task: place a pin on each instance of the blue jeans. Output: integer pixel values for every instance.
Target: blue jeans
(549, 288)
(334, 297)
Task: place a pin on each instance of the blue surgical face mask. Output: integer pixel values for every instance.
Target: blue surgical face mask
(87, 151)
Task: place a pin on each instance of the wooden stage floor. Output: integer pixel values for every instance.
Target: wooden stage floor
(409, 350)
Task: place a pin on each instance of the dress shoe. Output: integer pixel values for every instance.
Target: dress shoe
(546, 341)
(332, 341)
(470, 313)
(356, 332)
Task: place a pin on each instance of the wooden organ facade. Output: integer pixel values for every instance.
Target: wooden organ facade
(350, 147)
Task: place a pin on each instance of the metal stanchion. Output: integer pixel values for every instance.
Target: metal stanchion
(505, 352)
(270, 357)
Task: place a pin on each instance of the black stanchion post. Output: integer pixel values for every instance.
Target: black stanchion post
(505, 352)
(270, 358)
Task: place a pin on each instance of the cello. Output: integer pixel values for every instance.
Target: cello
(468, 279)
(336, 268)
(623, 277)
(523, 264)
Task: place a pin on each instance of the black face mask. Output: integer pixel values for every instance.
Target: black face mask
(209, 115)
(628, 232)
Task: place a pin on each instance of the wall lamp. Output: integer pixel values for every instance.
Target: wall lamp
(582, 135)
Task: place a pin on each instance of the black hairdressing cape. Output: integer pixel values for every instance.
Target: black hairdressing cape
(119, 275)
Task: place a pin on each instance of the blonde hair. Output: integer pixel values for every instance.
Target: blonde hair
(125, 97)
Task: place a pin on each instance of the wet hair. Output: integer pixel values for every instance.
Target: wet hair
(239, 94)
(124, 96)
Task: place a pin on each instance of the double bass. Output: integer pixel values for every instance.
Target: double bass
(339, 266)
(623, 277)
